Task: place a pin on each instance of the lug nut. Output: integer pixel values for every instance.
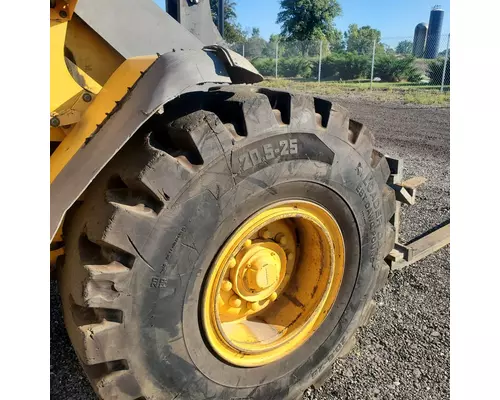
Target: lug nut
(227, 286)
(255, 306)
(290, 256)
(248, 243)
(273, 296)
(235, 301)
(232, 263)
(265, 234)
(281, 239)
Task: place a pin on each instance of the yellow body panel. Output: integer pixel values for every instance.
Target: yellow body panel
(71, 88)
(64, 91)
(57, 135)
(114, 90)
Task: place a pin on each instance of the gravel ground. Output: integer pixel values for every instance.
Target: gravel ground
(403, 353)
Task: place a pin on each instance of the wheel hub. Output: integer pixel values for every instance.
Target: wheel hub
(260, 269)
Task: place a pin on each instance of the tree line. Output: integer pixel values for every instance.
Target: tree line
(307, 23)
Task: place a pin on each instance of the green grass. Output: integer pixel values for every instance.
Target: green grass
(407, 92)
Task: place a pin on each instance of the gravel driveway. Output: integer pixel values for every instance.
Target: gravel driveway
(403, 353)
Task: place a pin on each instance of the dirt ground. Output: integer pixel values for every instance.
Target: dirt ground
(403, 353)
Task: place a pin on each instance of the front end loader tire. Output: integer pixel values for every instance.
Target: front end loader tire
(141, 245)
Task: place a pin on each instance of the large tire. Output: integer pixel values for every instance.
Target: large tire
(142, 240)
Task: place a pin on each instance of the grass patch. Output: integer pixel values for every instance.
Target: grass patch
(427, 98)
(406, 92)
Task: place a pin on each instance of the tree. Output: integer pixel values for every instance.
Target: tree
(392, 68)
(360, 40)
(435, 71)
(404, 47)
(384, 48)
(233, 32)
(336, 41)
(270, 49)
(308, 20)
(255, 44)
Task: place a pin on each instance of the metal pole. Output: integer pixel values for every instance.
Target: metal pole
(445, 63)
(220, 15)
(277, 60)
(320, 56)
(243, 50)
(373, 63)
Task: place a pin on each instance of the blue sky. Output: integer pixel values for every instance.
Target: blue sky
(394, 18)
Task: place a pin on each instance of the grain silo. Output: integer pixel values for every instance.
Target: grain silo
(434, 32)
(419, 39)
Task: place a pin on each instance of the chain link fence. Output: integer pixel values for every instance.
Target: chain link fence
(388, 62)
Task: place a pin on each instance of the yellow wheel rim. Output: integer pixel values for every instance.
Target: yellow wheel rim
(273, 283)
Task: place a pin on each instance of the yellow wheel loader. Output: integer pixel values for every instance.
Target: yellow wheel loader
(212, 239)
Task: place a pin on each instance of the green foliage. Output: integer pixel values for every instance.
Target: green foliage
(308, 20)
(233, 32)
(435, 71)
(391, 68)
(255, 45)
(344, 66)
(266, 66)
(384, 48)
(292, 67)
(295, 67)
(360, 40)
(270, 49)
(404, 47)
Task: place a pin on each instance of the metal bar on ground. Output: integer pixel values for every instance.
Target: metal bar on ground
(421, 248)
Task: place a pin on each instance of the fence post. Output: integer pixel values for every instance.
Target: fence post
(445, 63)
(373, 63)
(276, 60)
(320, 56)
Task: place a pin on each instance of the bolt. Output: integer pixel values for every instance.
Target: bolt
(265, 234)
(87, 97)
(255, 306)
(54, 121)
(290, 256)
(273, 296)
(235, 301)
(248, 243)
(281, 239)
(232, 263)
(227, 286)
(63, 14)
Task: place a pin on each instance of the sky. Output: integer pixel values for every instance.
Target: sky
(394, 18)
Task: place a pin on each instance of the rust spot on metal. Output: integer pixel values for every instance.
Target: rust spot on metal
(294, 300)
